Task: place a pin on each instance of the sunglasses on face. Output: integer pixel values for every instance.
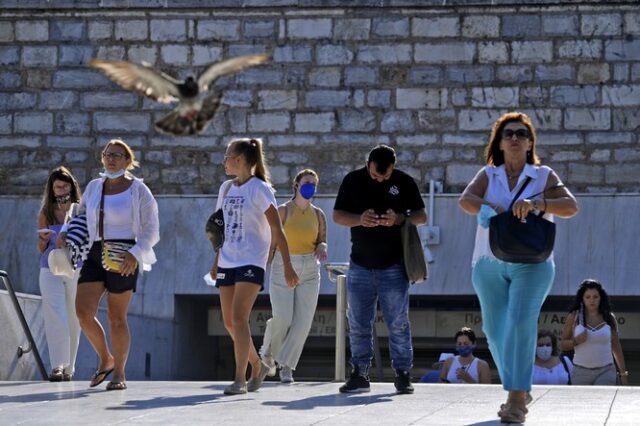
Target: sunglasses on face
(520, 134)
(113, 155)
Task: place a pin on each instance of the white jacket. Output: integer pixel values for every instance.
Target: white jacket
(146, 226)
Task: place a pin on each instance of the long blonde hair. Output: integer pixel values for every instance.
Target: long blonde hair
(251, 149)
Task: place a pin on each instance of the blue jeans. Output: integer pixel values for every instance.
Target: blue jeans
(511, 296)
(365, 287)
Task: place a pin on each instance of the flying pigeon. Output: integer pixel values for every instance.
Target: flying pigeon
(194, 110)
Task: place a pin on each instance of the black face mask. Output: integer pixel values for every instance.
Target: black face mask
(63, 198)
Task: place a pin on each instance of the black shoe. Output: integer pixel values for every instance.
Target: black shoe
(356, 384)
(57, 375)
(403, 382)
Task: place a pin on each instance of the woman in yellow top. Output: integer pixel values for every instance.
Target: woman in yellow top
(305, 226)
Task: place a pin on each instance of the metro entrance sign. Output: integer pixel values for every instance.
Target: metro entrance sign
(424, 323)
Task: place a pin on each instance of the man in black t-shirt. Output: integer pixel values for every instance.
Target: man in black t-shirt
(373, 201)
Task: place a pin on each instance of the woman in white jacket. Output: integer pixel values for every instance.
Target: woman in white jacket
(122, 214)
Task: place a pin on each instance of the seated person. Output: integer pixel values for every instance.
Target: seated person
(434, 376)
(465, 368)
(550, 368)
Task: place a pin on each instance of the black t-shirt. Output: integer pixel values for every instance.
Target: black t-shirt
(381, 246)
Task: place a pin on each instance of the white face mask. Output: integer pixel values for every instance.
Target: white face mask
(114, 175)
(544, 352)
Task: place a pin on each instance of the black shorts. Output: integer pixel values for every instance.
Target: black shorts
(92, 271)
(247, 273)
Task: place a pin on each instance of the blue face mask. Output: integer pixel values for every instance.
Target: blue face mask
(307, 190)
(465, 350)
(114, 175)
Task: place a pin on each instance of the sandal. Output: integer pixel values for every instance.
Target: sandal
(512, 414)
(116, 386)
(100, 374)
(528, 399)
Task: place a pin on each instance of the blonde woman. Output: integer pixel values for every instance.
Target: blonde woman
(120, 209)
(251, 224)
(305, 226)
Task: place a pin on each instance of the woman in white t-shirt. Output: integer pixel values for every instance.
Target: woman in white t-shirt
(591, 331)
(251, 220)
(550, 368)
(511, 294)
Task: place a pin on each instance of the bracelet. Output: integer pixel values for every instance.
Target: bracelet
(625, 374)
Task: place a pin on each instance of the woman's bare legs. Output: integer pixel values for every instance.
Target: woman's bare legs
(87, 301)
(117, 308)
(237, 302)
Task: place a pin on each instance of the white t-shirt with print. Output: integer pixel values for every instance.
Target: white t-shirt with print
(247, 234)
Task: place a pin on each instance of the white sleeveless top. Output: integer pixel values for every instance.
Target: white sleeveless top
(596, 351)
(556, 375)
(472, 369)
(118, 216)
(499, 194)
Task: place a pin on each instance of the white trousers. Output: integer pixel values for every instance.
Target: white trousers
(61, 324)
(293, 309)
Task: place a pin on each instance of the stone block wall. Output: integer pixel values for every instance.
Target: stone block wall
(428, 77)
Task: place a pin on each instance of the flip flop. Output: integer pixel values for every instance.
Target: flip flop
(116, 386)
(103, 373)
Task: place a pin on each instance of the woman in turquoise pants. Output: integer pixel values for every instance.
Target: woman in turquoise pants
(511, 294)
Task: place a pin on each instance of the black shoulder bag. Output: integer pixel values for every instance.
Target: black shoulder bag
(215, 224)
(521, 241)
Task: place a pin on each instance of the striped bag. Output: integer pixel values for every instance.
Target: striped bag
(77, 239)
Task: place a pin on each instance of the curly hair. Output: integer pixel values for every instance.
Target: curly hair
(604, 308)
(493, 154)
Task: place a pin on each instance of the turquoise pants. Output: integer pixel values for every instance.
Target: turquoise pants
(511, 296)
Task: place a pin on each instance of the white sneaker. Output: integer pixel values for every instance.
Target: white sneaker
(286, 374)
(268, 359)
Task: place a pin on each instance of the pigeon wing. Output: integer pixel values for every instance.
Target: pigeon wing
(230, 66)
(139, 78)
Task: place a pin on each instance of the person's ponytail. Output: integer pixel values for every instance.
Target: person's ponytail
(261, 170)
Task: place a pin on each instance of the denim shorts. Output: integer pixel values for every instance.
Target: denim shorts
(247, 273)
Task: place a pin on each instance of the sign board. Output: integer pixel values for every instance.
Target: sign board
(424, 323)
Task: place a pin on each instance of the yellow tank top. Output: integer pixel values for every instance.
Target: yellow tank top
(301, 229)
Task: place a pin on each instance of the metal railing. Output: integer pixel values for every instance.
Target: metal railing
(32, 344)
(338, 274)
